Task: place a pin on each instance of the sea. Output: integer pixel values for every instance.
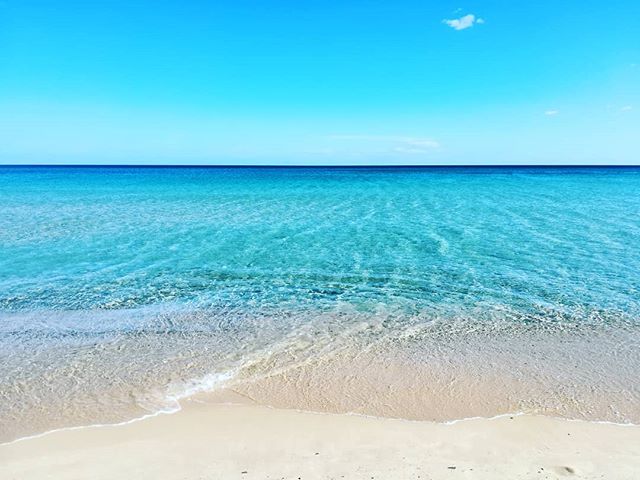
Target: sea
(425, 293)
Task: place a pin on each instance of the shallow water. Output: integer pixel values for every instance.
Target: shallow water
(415, 293)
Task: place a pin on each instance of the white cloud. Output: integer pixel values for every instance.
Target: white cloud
(463, 22)
(421, 142)
(399, 144)
(410, 150)
(552, 113)
(626, 108)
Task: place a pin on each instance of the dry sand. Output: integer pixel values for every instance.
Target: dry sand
(213, 441)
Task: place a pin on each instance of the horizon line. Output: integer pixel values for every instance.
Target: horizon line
(149, 165)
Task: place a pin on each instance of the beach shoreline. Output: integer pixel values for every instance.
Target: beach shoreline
(212, 440)
(243, 299)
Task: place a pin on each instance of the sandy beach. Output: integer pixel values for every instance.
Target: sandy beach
(218, 441)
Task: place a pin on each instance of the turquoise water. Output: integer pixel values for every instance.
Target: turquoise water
(123, 287)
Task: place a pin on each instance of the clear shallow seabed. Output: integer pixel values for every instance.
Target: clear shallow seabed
(434, 293)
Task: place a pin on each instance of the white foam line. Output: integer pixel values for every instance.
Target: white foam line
(433, 422)
(449, 422)
(208, 383)
(94, 425)
(496, 417)
(355, 414)
(205, 384)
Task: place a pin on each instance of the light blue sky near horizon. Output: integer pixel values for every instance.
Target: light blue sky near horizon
(353, 82)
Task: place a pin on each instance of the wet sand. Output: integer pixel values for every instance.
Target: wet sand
(217, 441)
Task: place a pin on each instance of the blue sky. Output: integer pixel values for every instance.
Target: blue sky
(320, 82)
